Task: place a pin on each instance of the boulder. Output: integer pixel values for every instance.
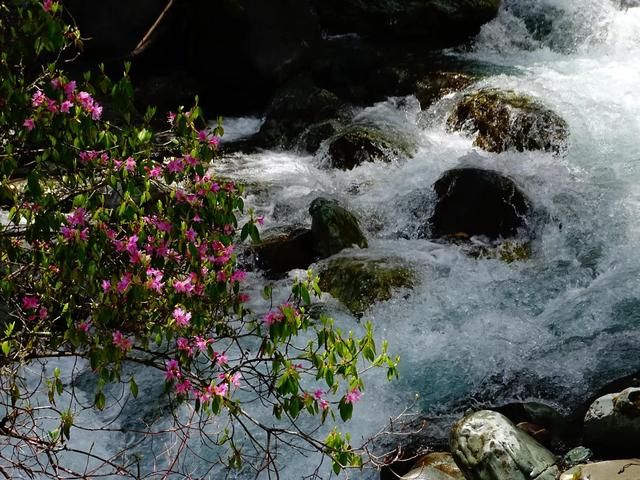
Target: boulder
(435, 466)
(473, 201)
(487, 446)
(577, 455)
(541, 421)
(504, 121)
(435, 85)
(612, 470)
(283, 250)
(359, 144)
(295, 106)
(359, 283)
(334, 228)
(311, 139)
(613, 422)
(437, 23)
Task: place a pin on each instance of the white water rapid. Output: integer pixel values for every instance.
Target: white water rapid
(552, 328)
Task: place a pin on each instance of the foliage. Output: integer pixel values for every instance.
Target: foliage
(120, 249)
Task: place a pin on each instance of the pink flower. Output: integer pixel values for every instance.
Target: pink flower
(221, 276)
(30, 302)
(190, 235)
(85, 99)
(318, 394)
(120, 341)
(124, 282)
(130, 164)
(38, 98)
(238, 276)
(183, 286)
(172, 370)
(175, 166)
(155, 280)
(221, 390)
(47, 5)
(69, 89)
(183, 344)
(324, 404)
(65, 106)
(243, 298)
(201, 343)
(202, 136)
(96, 111)
(183, 388)
(235, 379)
(84, 326)
(29, 124)
(76, 218)
(171, 117)
(214, 141)
(260, 220)
(273, 317)
(228, 229)
(220, 358)
(189, 160)
(155, 172)
(182, 317)
(197, 218)
(353, 396)
(52, 106)
(106, 285)
(56, 83)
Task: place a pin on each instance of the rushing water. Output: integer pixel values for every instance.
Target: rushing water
(552, 328)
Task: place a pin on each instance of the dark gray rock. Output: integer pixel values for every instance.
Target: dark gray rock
(334, 228)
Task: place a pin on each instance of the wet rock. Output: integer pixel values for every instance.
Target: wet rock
(436, 85)
(435, 22)
(359, 283)
(504, 121)
(487, 446)
(577, 455)
(334, 228)
(473, 201)
(283, 250)
(435, 466)
(311, 139)
(613, 422)
(295, 106)
(359, 144)
(541, 421)
(612, 470)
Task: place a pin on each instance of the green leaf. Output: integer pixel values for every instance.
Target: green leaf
(346, 410)
(133, 386)
(6, 348)
(100, 400)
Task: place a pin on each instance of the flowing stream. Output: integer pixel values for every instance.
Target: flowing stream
(552, 328)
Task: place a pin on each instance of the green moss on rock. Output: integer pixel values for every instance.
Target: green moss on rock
(509, 121)
(359, 283)
(334, 228)
(359, 144)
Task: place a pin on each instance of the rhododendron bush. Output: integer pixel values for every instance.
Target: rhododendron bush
(119, 249)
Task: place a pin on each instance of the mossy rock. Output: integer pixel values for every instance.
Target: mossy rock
(359, 144)
(334, 228)
(435, 85)
(359, 283)
(505, 120)
(311, 139)
(508, 251)
(298, 104)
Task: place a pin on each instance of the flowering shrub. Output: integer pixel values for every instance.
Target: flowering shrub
(120, 248)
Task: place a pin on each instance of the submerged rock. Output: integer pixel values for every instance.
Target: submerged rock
(613, 422)
(312, 137)
(487, 446)
(473, 201)
(283, 250)
(577, 455)
(359, 283)
(436, 22)
(509, 121)
(612, 470)
(334, 228)
(435, 466)
(359, 144)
